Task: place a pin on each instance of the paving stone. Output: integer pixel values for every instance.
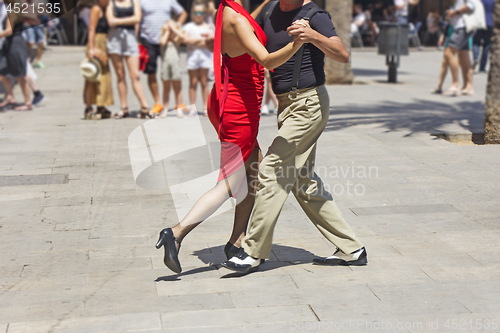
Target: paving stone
(116, 323)
(235, 317)
(413, 209)
(75, 260)
(226, 285)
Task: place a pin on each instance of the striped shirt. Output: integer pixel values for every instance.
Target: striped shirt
(154, 14)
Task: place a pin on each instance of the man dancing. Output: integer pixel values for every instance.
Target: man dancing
(303, 113)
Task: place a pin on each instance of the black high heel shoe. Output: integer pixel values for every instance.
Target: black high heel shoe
(170, 259)
(230, 250)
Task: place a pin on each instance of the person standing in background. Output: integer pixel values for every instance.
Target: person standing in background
(123, 18)
(460, 45)
(154, 15)
(197, 34)
(15, 52)
(402, 10)
(170, 73)
(35, 35)
(99, 93)
(483, 38)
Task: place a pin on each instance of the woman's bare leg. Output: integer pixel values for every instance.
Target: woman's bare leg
(135, 78)
(9, 96)
(177, 85)
(88, 92)
(193, 85)
(442, 74)
(117, 62)
(450, 54)
(467, 71)
(203, 78)
(25, 89)
(166, 93)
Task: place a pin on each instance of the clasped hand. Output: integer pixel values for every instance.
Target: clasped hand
(301, 31)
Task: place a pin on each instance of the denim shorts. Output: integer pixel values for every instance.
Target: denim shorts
(35, 35)
(122, 41)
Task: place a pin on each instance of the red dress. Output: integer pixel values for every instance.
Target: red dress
(235, 100)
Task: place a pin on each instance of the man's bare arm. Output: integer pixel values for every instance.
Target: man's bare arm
(332, 47)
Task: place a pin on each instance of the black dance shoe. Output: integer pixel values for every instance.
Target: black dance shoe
(171, 259)
(357, 258)
(230, 250)
(242, 263)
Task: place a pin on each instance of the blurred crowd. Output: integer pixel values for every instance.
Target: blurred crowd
(22, 31)
(450, 32)
(135, 36)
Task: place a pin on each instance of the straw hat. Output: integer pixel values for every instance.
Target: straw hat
(91, 69)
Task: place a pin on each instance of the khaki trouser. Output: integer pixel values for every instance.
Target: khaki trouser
(289, 166)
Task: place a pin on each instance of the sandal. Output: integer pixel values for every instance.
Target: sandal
(145, 113)
(437, 91)
(89, 114)
(452, 92)
(104, 112)
(7, 104)
(123, 113)
(465, 92)
(24, 107)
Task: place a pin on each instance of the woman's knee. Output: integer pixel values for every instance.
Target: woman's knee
(135, 77)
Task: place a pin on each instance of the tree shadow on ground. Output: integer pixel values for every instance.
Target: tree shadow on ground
(419, 116)
(281, 256)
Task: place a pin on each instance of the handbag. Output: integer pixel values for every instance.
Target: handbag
(477, 19)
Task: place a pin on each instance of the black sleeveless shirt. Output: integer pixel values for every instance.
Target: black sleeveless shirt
(121, 12)
(102, 25)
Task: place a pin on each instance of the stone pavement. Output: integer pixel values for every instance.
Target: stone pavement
(77, 248)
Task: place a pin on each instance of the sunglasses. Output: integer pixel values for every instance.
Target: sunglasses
(198, 13)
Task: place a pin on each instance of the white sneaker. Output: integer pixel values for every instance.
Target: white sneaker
(264, 110)
(193, 111)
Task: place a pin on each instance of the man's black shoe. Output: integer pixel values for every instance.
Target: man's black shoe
(357, 258)
(242, 263)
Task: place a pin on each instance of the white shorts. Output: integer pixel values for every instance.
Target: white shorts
(199, 58)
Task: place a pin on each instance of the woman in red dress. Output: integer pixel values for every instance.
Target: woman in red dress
(234, 106)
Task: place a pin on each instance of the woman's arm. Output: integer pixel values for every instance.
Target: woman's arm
(165, 34)
(249, 42)
(95, 12)
(259, 9)
(188, 40)
(8, 28)
(132, 20)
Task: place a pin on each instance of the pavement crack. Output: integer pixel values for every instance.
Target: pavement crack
(474, 259)
(367, 286)
(462, 305)
(427, 275)
(314, 312)
(295, 283)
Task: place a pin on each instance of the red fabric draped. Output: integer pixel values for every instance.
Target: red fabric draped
(235, 100)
